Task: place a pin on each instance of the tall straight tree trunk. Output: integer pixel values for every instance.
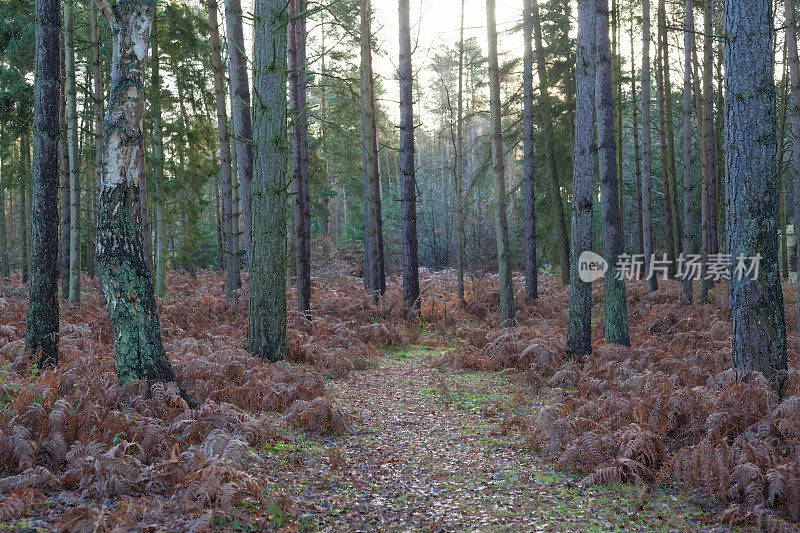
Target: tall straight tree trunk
(529, 165)
(63, 151)
(97, 104)
(300, 170)
(709, 189)
(158, 159)
(460, 236)
(240, 110)
(231, 256)
(559, 218)
(41, 333)
(637, 156)
(756, 304)
(579, 329)
(616, 317)
(143, 216)
(266, 327)
(25, 158)
(120, 258)
(73, 152)
(326, 198)
(507, 311)
(662, 131)
(794, 105)
(647, 148)
(4, 262)
(373, 270)
(408, 172)
(688, 189)
(673, 194)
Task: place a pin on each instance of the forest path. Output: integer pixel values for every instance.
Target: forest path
(420, 456)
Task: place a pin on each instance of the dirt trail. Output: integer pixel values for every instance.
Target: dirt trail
(421, 457)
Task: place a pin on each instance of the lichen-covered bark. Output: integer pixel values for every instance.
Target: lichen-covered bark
(616, 317)
(407, 169)
(266, 327)
(300, 168)
(529, 165)
(120, 258)
(647, 148)
(240, 111)
(579, 327)
(507, 308)
(41, 335)
(231, 258)
(756, 305)
(688, 189)
(559, 219)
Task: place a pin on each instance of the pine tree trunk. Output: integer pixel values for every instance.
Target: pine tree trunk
(97, 101)
(688, 189)
(25, 158)
(673, 181)
(73, 155)
(579, 329)
(41, 334)
(63, 154)
(756, 305)
(240, 110)
(158, 160)
(529, 165)
(647, 147)
(666, 176)
(559, 219)
(408, 172)
(230, 257)
(266, 328)
(120, 258)
(507, 311)
(794, 107)
(300, 169)
(616, 317)
(637, 156)
(709, 189)
(4, 263)
(460, 236)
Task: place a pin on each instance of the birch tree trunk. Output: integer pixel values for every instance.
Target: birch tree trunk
(41, 334)
(616, 316)
(559, 218)
(231, 258)
(300, 170)
(579, 328)
(266, 328)
(408, 172)
(121, 262)
(529, 165)
(756, 305)
(240, 110)
(794, 105)
(688, 189)
(647, 147)
(507, 311)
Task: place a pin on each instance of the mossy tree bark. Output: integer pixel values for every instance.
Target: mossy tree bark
(794, 104)
(507, 309)
(529, 165)
(158, 167)
(120, 257)
(579, 327)
(756, 304)
(41, 334)
(266, 328)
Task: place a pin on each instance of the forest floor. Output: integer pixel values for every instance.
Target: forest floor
(421, 454)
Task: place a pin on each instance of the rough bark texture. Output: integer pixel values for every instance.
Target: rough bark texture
(688, 189)
(579, 328)
(120, 259)
(616, 316)
(158, 158)
(637, 155)
(666, 172)
(461, 241)
(240, 111)
(559, 219)
(507, 311)
(407, 170)
(266, 328)
(41, 335)
(647, 148)
(756, 305)
(794, 104)
(709, 190)
(231, 258)
(529, 165)
(73, 153)
(300, 170)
